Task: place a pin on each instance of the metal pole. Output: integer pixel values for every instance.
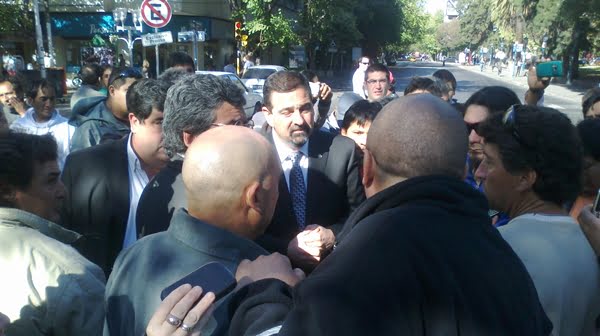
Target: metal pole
(195, 44)
(39, 39)
(49, 33)
(156, 52)
(130, 46)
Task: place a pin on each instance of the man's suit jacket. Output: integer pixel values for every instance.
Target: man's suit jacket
(334, 190)
(97, 205)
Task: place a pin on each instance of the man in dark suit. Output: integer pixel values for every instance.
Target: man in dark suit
(104, 182)
(320, 184)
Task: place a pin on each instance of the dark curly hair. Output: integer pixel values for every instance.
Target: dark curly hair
(543, 140)
(19, 152)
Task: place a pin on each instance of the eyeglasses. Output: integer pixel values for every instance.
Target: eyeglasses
(365, 63)
(239, 122)
(375, 81)
(472, 127)
(127, 73)
(589, 116)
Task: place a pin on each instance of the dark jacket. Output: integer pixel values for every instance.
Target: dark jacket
(334, 190)
(421, 258)
(164, 194)
(95, 123)
(97, 204)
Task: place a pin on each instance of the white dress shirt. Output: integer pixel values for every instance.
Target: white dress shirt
(137, 182)
(284, 152)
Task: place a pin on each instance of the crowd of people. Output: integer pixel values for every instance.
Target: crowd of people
(383, 214)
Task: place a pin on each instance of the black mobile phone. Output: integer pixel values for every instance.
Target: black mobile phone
(596, 207)
(212, 277)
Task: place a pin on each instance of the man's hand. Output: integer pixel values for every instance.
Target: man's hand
(325, 93)
(273, 266)
(18, 105)
(302, 255)
(590, 225)
(318, 236)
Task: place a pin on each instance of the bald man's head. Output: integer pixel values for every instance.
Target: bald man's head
(221, 167)
(418, 135)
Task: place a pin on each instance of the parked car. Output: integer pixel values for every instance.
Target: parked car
(451, 59)
(255, 76)
(253, 100)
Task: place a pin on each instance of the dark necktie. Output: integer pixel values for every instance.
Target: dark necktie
(298, 189)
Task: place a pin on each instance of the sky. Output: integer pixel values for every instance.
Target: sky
(431, 6)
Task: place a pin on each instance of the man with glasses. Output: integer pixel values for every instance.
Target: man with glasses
(43, 118)
(377, 82)
(532, 165)
(358, 79)
(104, 118)
(195, 104)
(104, 182)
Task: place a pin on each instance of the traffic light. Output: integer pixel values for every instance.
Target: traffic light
(244, 40)
(238, 30)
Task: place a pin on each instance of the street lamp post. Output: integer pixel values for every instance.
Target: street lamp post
(120, 15)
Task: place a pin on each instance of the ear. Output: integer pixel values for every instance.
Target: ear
(111, 90)
(188, 139)
(134, 122)
(343, 132)
(527, 180)
(368, 169)
(252, 197)
(268, 115)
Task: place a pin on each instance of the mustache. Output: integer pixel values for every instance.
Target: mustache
(304, 128)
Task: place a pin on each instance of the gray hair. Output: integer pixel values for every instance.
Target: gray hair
(190, 107)
(173, 75)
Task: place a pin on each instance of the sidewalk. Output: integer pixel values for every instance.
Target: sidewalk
(572, 92)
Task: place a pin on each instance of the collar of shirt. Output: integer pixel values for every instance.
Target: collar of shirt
(138, 179)
(284, 152)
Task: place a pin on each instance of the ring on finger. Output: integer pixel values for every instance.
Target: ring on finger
(173, 320)
(186, 328)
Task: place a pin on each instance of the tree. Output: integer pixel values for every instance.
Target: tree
(319, 27)
(448, 35)
(266, 24)
(15, 17)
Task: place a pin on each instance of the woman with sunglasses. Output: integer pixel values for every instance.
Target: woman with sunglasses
(531, 167)
(485, 103)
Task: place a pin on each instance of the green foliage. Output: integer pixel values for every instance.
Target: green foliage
(429, 43)
(266, 24)
(15, 18)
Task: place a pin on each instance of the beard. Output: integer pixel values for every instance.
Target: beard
(299, 135)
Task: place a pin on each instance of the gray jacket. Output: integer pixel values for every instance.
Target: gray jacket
(48, 288)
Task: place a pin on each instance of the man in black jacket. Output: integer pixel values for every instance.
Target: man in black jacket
(419, 257)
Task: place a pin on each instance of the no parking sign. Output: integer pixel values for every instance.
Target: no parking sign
(156, 13)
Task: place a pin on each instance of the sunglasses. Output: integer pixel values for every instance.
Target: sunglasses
(365, 63)
(510, 121)
(472, 127)
(127, 73)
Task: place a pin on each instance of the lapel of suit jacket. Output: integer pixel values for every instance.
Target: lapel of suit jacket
(119, 184)
(318, 153)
